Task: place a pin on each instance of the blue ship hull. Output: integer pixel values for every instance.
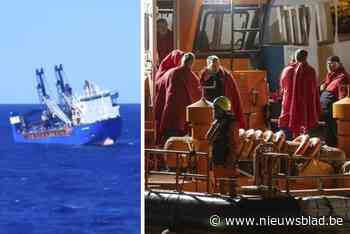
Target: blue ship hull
(94, 133)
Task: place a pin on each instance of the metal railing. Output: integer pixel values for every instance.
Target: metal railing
(178, 173)
(288, 178)
(231, 181)
(269, 180)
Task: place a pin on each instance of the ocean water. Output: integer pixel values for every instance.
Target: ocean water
(56, 189)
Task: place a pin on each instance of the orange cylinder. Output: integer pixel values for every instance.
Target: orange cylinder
(341, 111)
(344, 143)
(200, 112)
(202, 162)
(199, 131)
(343, 128)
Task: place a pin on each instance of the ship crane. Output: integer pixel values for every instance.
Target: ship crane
(46, 100)
(41, 88)
(60, 84)
(56, 110)
(64, 90)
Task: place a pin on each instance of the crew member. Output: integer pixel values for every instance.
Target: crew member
(333, 89)
(216, 81)
(182, 88)
(223, 137)
(165, 41)
(300, 96)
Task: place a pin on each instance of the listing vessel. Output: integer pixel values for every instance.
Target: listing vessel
(90, 118)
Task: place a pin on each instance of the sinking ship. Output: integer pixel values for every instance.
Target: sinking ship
(90, 118)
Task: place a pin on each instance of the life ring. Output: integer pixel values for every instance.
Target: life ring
(304, 142)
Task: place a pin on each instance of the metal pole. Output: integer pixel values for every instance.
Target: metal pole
(177, 173)
(147, 172)
(232, 31)
(208, 173)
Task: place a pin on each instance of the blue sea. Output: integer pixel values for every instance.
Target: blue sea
(57, 189)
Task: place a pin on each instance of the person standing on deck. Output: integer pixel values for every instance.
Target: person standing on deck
(333, 89)
(171, 61)
(182, 88)
(223, 136)
(286, 88)
(165, 39)
(217, 81)
(300, 96)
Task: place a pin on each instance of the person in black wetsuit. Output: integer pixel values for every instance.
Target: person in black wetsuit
(221, 133)
(223, 137)
(333, 89)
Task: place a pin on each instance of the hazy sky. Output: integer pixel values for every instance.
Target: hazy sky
(97, 40)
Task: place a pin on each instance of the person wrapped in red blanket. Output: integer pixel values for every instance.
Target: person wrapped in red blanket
(172, 60)
(216, 81)
(333, 89)
(181, 88)
(300, 96)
